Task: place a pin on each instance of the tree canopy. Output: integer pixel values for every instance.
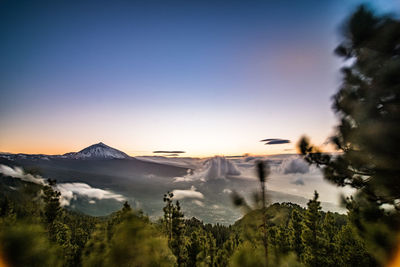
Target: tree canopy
(367, 138)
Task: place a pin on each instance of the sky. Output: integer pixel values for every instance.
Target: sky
(205, 77)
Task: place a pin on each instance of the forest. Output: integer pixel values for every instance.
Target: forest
(36, 231)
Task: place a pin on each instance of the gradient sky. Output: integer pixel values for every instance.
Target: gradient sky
(206, 77)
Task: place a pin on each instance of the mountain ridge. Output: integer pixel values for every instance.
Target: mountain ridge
(95, 151)
(98, 151)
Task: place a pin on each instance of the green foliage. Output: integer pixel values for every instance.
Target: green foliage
(225, 252)
(178, 240)
(367, 106)
(206, 246)
(295, 230)
(260, 198)
(25, 244)
(282, 241)
(6, 207)
(137, 243)
(298, 237)
(351, 249)
(174, 227)
(248, 255)
(96, 247)
(311, 234)
(329, 231)
(36, 231)
(51, 199)
(128, 238)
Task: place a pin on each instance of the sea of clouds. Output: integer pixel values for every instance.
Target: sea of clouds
(69, 191)
(290, 174)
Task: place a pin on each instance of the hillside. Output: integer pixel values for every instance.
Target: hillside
(45, 234)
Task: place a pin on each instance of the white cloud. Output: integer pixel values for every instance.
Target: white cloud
(190, 193)
(180, 179)
(69, 191)
(178, 162)
(211, 169)
(226, 191)
(17, 172)
(294, 165)
(198, 203)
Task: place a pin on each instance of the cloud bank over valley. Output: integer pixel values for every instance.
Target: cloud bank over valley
(202, 185)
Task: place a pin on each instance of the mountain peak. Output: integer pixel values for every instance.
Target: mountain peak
(98, 151)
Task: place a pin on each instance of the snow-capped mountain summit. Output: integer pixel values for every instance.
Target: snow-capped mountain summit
(98, 151)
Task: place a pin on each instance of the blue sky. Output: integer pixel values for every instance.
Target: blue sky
(207, 77)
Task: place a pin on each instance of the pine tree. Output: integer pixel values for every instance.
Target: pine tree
(126, 207)
(228, 248)
(263, 172)
(51, 198)
(351, 249)
(295, 230)
(329, 231)
(6, 207)
(193, 247)
(178, 238)
(168, 210)
(174, 226)
(367, 105)
(311, 231)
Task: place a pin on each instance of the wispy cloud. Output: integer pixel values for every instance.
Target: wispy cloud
(275, 141)
(18, 172)
(211, 169)
(198, 203)
(190, 193)
(68, 191)
(298, 181)
(168, 152)
(179, 162)
(294, 165)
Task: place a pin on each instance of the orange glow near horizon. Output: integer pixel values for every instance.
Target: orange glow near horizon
(62, 150)
(59, 148)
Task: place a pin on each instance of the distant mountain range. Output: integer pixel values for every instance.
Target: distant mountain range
(96, 151)
(99, 160)
(204, 185)
(104, 167)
